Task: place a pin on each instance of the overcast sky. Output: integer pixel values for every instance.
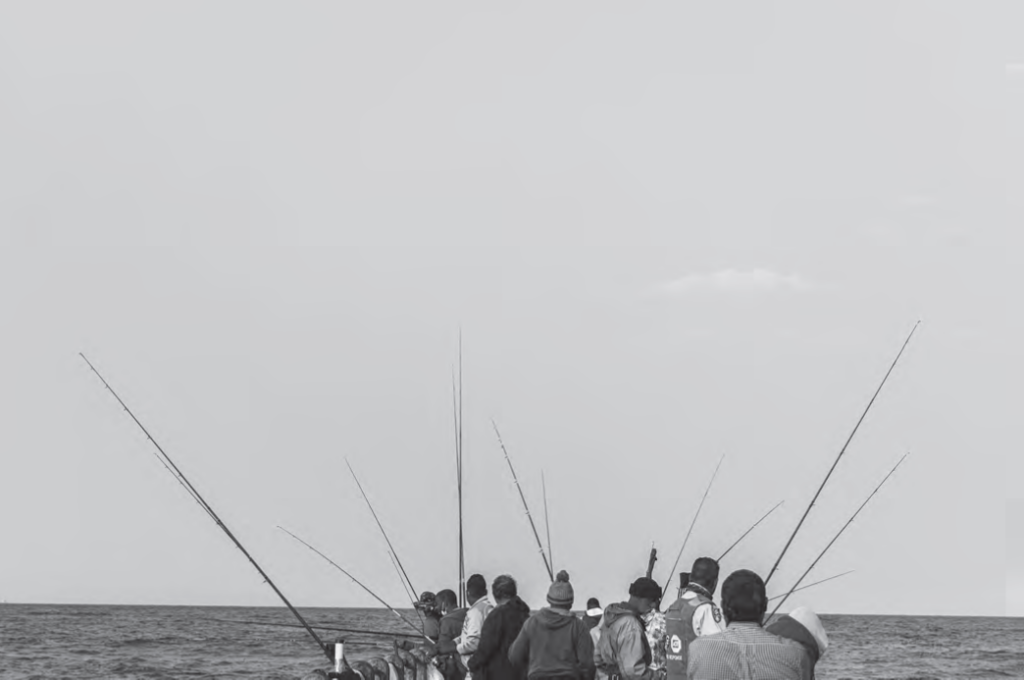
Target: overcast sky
(667, 234)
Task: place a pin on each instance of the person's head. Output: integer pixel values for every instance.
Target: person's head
(447, 601)
(802, 625)
(743, 597)
(705, 572)
(428, 603)
(503, 589)
(594, 608)
(644, 595)
(476, 587)
(560, 593)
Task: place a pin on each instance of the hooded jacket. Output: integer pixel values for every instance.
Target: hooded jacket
(554, 644)
(501, 627)
(622, 647)
(449, 629)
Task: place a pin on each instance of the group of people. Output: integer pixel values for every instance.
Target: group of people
(692, 639)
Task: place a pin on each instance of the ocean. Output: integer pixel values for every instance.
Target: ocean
(101, 641)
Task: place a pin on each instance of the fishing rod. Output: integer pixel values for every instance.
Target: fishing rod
(381, 527)
(457, 416)
(811, 585)
(841, 452)
(675, 564)
(180, 476)
(358, 583)
(651, 560)
(547, 527)
(526, 507)
(409, 593)
(848, 523)
(356, 631)
(749, 530)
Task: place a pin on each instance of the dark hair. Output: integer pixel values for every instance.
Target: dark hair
(592, 603)
(744, 597)
(476, 586)
(646, 588)
(447, 598)
(504, 587)
(704, 571)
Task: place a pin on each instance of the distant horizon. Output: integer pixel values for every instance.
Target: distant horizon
(409, 609)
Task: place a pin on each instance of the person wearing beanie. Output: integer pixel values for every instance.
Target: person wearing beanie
(554, 644)
(803, 625)
(692, 615)
(501, 627)
(622, 648)
(745, 649)
(479, 608)
(427, 605)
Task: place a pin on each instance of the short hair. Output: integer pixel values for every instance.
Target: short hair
(744, 597)
(704, 571)
(447, 598)
(476, 586)
(504, 587)
(592, 603)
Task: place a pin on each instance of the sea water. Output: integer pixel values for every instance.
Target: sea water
(101, 641)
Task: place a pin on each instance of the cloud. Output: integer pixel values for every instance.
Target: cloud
(735, 281)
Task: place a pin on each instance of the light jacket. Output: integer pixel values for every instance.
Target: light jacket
(471, 627)
(622, 648)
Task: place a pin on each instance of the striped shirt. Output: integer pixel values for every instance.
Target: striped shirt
(746, 651)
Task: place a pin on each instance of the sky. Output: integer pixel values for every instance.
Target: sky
(666, 233)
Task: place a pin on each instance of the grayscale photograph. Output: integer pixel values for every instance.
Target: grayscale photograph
(511, 341)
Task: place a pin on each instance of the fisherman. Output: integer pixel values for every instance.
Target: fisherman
(480, 607)
(501, 627)
(623, 651)
(427, 605)
(595, 632)
(592, 616)
(554, 644)
(745, 650)
(692, 615)
(453, 616)
(803, 625)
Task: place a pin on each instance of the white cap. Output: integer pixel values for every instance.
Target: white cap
(809, 620)
(595, 612)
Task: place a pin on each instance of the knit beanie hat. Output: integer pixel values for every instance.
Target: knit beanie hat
(646, 588)
(560, 593)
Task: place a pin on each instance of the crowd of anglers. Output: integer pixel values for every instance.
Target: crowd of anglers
(498, 638)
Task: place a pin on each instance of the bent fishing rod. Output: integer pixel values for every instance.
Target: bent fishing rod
(358, 583)
(675, 564)
(381, 527)
(749, 530)
(848, 523)
(526, 507)
(355, 631)
(180, 476)
(811, 585)
(841, 452)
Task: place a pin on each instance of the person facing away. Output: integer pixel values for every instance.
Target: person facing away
(427, 605)
(592, 616)
(501, 627)
(692, 615)
(802, 625)
(745, 650)
(623, 651)
(554, 644)
(595, 632)
(449, 628)
(479, 608)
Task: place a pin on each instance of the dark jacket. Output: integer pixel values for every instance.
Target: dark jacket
(501, 627)
(554, 644)
(432, 626)
(450, 628)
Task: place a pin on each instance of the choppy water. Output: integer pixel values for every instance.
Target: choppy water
(99, 641)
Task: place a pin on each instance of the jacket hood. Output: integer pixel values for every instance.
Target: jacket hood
(516, 604)
(616, 611)
(552, 618)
